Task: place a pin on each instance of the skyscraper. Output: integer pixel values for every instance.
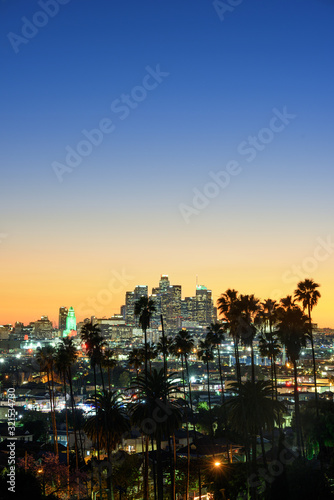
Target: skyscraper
(63, 311)
(204, 306)
(71, 322)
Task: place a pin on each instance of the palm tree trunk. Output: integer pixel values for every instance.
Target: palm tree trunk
(209, 397)
(97, 431)
(159, 469)
(300, 443)
(102, 378)
(54, 428)
(74, 422)
(237, 361)
(146, 360)
(146, 489)
(67, 439)
(109, 380)
(164, 344)
(314, 365)
(54, 409)
(154, 470)
(221, 376)
(188, 443)
(252, 362)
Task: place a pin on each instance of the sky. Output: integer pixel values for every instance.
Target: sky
(192, 139)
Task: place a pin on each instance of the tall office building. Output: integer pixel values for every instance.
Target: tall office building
(130, 308)
(204, 306)
(63, 312)
(140, 291)
(71, 322)
(188, 309)
(43, 328)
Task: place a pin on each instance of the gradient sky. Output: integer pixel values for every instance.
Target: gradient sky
(119, 212)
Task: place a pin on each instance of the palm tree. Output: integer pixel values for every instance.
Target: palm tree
(112, 424)
(93, 340)
(215, 335)
(165, 347)
(252, 409)
(45, 358)
(308, 295)
(287, 302)
(205, 353)
(144, 308)
(136, 359)
(249, 306)
(65, 359)
(109, 362)
(269, 347)
(292, 331)
(156, 412)
(182, 347)
(152, 353)
(229, 307)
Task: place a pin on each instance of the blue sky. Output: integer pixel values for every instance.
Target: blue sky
(224, 80)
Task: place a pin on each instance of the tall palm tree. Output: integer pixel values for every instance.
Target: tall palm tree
(269, 347)
(152, 353)
(93, 340)
(308, 295)
(109, 362)
(205, 353)
(249, 306)
(112, 424)
(144, 308)
(136, 359)
(45, 357)
(229, 307)
(165, 347)
(65, 359)
(252, 409)
(293, 330)
(156, 412)
(266, 319)
(182, 347)
(215, 335)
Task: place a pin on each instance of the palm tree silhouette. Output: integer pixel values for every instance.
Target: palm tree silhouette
(109, 362)
(136, 359)
(215, 335)
(292, 331)
(45, 357)
(205, 353)
(308, 295)
(269, 347)
(108, 425)
(152, 353)
(249, 306)
(182, 347)
(229, 307)
(144, 308)
(65, 358)
(252, 409)
(93, 340)
(156, 412)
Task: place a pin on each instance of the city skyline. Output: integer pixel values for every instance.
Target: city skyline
(95, 305)
(170, 137)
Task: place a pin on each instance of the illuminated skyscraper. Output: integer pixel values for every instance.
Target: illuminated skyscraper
(204, 306)
(71, 322)
(63, 311)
